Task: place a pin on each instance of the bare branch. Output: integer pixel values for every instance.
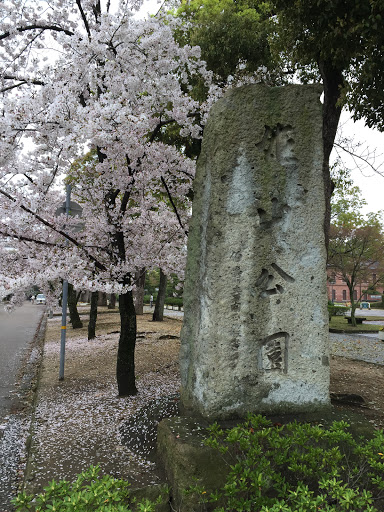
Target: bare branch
(173, 205)
(38, 26)
(362, 158)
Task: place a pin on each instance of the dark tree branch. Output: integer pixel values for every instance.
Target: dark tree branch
(84, 18)
(28, 178)
(96, 8)
(26, 80)
(168, 121)
(38, 26)
(98, 265)
(127, 193)
(14, 86)
(124, 201)
(360, 157)
(173, 205)
(27, 239)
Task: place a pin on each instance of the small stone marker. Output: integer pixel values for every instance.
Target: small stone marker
(255, 333)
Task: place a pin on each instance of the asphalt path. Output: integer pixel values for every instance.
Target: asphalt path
(17, 330)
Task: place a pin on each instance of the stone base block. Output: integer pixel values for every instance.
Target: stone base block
(188, 462)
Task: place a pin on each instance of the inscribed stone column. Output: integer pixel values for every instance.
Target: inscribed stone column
(255, 333)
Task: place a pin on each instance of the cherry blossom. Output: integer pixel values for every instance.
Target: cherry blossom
(78, 80)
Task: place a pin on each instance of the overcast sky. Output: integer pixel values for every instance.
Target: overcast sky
(369, 181)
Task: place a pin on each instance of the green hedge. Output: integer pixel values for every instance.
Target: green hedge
(377, 305)
(174, 301)
(169, 301)
(336, 310)
(90, 492)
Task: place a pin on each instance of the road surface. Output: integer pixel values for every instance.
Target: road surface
(17, 330)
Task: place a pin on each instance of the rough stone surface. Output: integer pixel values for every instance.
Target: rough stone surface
(188, 462)
(255, 334)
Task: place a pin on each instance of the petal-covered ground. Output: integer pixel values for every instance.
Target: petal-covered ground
(78, 421)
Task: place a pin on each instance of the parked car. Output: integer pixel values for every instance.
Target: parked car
(365, 305)
(40, 299)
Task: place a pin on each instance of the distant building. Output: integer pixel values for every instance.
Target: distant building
(338, 290)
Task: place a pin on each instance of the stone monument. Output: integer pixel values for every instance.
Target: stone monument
(255, 333)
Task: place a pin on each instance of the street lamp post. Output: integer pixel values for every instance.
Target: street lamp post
(64, 300)
(69, 209)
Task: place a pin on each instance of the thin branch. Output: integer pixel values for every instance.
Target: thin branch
(365, 160)
(55, 169)
(27, 239)
(28, 178)
(173, 205)
(99, 265)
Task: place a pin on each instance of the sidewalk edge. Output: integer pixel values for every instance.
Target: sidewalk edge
(31, 373)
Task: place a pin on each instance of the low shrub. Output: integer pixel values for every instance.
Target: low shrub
(88, 493)
(174, 301)
(377, 305)
(297, 467)
(336, 310)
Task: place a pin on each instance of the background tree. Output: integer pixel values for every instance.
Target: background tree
(356, 245)
(233, 37)
(93, 315)
(341, 42)
(158, 313)
(73, 297)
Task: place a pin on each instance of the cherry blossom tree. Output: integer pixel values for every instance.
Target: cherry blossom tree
(76, 76)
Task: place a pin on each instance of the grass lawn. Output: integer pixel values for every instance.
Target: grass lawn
(340, 323)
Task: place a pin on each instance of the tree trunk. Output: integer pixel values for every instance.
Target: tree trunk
(125, 368)
(93, 316)
(353, 306)
(72, 306)
(158, 314)
(138, 293)
(112, 301)
(102, 299)
(332, 81)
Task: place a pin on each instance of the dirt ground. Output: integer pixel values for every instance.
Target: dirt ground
(159, 354)
(365, 379)
(80, 421)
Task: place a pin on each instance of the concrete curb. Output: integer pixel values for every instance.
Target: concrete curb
(29, 378)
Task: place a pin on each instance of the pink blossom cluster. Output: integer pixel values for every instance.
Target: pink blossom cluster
(86, 96)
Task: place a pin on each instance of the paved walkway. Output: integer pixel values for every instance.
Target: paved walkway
(17, 333)
(365, 347)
